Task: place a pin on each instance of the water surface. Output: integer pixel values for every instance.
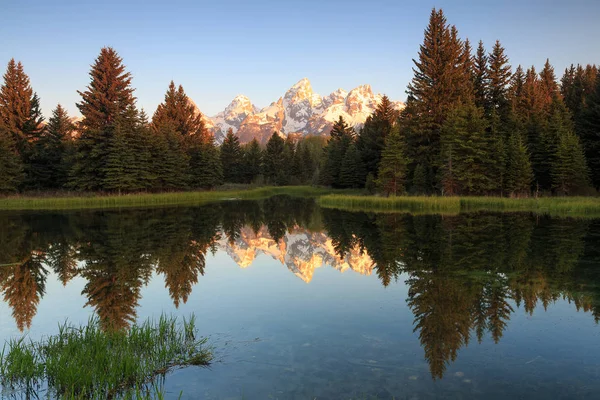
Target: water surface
(302, 302)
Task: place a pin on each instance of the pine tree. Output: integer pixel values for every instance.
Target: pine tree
(15, 104)
(440, 82)
(252, 161)
(106, 99)
(480, 77)
(420, 184)
(352, 171)
(371, 138)
(117, 174)
(393, 167)
(499, 76)
(569, 169)
(181, 115)
(178, 109)
(231, 158)
(516, 94)
(465, 153)
(496, 133)
(109, 93)
(518, 172)
(54, 150)
(306, 163)
(206, 171)
(548, 87)
(170, 160)
(588, 128)
(289, 173)
(11, 167)
(273, 158)
(341, 137)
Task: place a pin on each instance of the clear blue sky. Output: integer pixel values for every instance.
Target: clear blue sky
(218, 49)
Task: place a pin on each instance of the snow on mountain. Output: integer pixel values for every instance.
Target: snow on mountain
(299, 111)
(234, 114)
(299, 250)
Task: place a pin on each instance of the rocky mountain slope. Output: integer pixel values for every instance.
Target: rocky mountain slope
(299, 250)
(299, 111)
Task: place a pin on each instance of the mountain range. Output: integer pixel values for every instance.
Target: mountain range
(300, 250)
(299, 112)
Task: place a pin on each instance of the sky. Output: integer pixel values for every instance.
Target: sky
(219, 49)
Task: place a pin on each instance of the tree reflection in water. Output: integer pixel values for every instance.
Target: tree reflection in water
(465, 274)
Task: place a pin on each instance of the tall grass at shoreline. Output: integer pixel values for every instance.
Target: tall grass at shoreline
(88, 362)
(151, 199)
(559, 206)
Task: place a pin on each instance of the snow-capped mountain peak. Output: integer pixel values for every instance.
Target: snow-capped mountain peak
(299, 111)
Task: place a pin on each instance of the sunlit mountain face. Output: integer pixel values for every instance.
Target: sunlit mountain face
(465, 276)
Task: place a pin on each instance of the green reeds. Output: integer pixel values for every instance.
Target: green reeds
(88, 362)
(582, 207)
(150, 199)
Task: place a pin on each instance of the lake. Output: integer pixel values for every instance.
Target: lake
(302, 302)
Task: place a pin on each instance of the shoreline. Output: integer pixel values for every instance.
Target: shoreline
(588, 207)
(327, 198)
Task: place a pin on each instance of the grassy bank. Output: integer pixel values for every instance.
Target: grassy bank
(88, 362)
(559, 206)
(150, 199)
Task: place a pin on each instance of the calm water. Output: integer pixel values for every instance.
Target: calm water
(305, 303)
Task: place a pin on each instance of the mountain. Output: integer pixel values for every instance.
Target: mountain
(300, 111)
(300, 250)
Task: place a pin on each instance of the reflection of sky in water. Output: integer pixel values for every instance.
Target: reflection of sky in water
(343, 335)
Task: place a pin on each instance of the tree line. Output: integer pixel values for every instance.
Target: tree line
(471, 126)
(115, 147)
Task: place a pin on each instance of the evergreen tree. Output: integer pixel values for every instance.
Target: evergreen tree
(54, 151)
(371, 138)
(231, 158)
(206, 170)
(342, 137)
(480, 77)
(420, 184)
(499, 76)
(171, 162)
(588, 128)
(16, 95)
(394, 164)
(465, 153)
(178, 110)
(273, 158)
(569, 170)
(352, 172)
(181, 115)
(548, 86)
(289, 173)
(106, 100)
(252, 161)
(518, 172)
(11, 167)
(129, 159)
(495, 164)
(516, 94)
(440, 82)
(305, 162)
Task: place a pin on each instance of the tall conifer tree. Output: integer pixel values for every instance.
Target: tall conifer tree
(231, 158)
(105, 100)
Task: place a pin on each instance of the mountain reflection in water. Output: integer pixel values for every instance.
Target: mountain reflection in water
(466, 274)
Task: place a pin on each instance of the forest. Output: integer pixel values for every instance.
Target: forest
(472, 125)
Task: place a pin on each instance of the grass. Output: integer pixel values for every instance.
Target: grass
(150, 199)
(557, 206)
(88, 362)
